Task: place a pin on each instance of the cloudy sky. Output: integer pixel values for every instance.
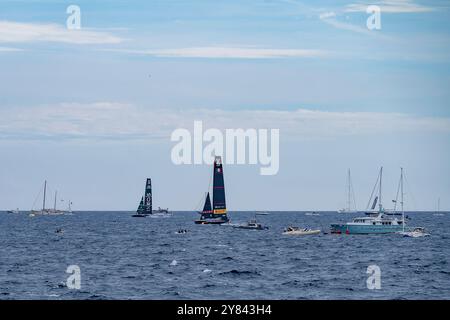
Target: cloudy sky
(92, 110)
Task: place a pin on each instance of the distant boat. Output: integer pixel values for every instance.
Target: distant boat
(350, 197)
(250, 225)
(379, 224)
(296, 231)
(14, 211)
(262, 213)
(217, 213)
(145, 208)
(48, 211)
(417, 232)
(438, 212)
(312, 214)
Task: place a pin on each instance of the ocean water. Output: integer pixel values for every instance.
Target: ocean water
(121, 257)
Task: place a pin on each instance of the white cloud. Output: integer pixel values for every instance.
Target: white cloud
(229, 53)
(390, 6)
(115, 121)
(326, 15)
(8, 49)
(15, 32)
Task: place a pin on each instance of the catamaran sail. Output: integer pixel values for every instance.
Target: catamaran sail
(207, 209)
(145, 207)
(216, 214)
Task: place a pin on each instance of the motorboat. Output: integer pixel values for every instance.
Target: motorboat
(415, 233)
(296, 231)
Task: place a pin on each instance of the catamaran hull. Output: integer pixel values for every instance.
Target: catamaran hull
(211, 221)
(364, 229)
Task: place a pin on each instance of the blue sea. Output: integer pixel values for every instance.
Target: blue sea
(121, 257)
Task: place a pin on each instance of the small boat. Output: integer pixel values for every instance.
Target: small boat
(252, 225)
(145, 208)
(217, 213)
(14, 211)
(296, 231)
(32, 215)
(262, 213)
(181, 231)
(312, 214)
(161, 213)
(415, 233)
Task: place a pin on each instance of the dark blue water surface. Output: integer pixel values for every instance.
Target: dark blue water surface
(121, 257)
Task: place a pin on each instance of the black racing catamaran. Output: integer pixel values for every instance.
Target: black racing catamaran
(217, 214)
(145, 206)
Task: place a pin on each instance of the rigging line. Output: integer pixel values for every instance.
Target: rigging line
(198, 206)
(396, 197)
(353, 194)
(373, 191)
(199, 203)
(410, 190)
(37, 197)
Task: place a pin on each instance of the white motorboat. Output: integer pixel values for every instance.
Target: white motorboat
(415, 233)
(295, 231)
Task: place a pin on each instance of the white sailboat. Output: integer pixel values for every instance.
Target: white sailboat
(438, 212)
(47, 211)
(350, 197)
(415, 232)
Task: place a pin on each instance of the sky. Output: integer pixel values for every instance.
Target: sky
(92, 110)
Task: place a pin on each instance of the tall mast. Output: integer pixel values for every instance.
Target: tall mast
(380, 205)
(349, 191)
(56, 193)
(45, 191)
(402, 202)
(439, 205)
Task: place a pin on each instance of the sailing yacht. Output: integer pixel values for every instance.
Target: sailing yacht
(217, 213)
(379, 224)
(145, 208)
(350, 193)
(47, 211)
(438, 212)
(415, 232)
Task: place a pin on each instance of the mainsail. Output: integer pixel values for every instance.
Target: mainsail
(219, 205)
(217, 213)
(145, 206)
(148, 197)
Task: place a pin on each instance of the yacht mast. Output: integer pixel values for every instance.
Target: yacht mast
(349, 192)
(45, 191)
(402, 202)
(439, 205)
(56, 193)
(380, 205)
